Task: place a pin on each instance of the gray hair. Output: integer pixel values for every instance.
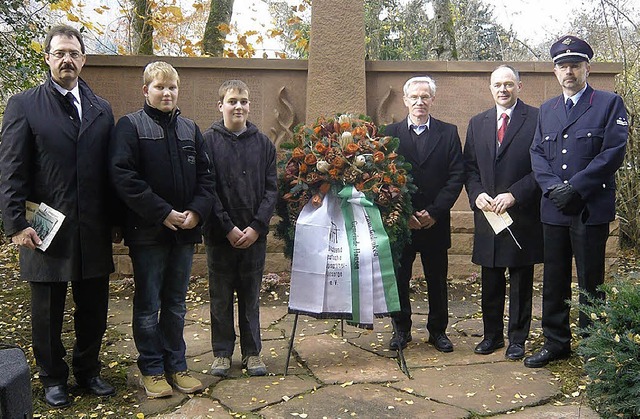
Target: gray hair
(420, 79)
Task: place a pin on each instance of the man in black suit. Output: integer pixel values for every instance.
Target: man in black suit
(54, 150)
(434, 151)
(499, 180)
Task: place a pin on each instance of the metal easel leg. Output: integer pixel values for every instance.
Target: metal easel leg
(401, 361)
(293, 335)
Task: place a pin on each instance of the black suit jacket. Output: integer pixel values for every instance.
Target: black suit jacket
(439, 175)
(506, 169)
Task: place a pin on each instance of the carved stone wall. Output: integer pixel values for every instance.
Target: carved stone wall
(278, 94)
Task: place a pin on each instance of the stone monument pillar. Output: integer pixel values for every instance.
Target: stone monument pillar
(336, 79)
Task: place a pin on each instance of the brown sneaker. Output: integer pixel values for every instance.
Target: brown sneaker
(156, 386)
(184, 382)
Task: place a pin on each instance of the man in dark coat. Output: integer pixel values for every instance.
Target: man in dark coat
(499, 180)
(434, 151)
(54, 150)
(579, 144)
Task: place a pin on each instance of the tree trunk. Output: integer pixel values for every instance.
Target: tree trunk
(142, 27)
(446, 44)
(213, 39)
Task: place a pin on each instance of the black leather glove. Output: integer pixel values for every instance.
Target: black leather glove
(566, 199)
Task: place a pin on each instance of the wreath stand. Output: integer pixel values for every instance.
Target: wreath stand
(402, 363)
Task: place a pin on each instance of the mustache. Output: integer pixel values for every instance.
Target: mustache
(67, 66)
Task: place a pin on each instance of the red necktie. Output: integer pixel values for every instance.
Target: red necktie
(503, 127)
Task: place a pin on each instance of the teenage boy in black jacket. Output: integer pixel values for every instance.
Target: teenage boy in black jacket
(244, 162)
(161, 171)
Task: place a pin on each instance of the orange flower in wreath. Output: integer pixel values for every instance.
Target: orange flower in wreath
(298, 154)
(360, 131)
(310, 159)
(338, 162)
(351, 148)
(378, 157)
(320, 148)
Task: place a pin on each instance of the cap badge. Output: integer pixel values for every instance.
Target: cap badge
(567, 41)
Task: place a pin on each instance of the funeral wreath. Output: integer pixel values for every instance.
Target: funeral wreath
(336, 152)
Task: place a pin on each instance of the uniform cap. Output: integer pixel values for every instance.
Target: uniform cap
(570, 49)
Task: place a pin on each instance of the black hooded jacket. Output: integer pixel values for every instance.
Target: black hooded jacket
(246, 182)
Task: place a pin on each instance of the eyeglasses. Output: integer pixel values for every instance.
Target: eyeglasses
(61, 54)
(415, 99)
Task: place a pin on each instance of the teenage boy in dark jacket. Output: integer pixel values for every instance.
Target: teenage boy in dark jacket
(161, 171)
(244, 162)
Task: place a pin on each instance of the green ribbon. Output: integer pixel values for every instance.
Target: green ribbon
(385, 259)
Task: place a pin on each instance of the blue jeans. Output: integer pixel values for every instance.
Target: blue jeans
(238, 270)
(161, 276)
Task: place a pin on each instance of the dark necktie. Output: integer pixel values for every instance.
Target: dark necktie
(568, 105)
(503, 127)
(74, 108)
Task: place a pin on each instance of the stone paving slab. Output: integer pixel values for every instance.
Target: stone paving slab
(120, 310)
(354, 373)
(197, 408)
(306, 326)
(553, 411)
(253, 393)
(271, 314)
(333, 360)
(361, 401)
(197, 336)
(199, 313)
(483, 388)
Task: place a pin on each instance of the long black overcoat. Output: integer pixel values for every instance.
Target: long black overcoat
(505, 169)
(438, 172)
(48, 156)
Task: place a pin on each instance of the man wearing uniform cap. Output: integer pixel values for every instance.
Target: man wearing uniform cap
(579, 144)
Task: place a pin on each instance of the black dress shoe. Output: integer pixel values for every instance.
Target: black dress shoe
(441, 342)
(97, 386)
(515, 351)
(542, 358)
(57, 396)
(488, 346)
(403, 338)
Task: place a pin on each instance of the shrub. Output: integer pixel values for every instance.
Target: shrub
(611, 348)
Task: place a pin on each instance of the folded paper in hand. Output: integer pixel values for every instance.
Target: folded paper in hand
(498, 221)
(501, 222)
(45, 220)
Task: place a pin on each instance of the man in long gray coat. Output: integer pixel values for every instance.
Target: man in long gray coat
(499, 179)
(54, 150)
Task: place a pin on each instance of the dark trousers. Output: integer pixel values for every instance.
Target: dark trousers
(91, 299)
(494, 286)
(587, 244)
(435, 268)
(161, 274)
(238, 270)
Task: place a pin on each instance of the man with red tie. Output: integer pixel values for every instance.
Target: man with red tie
(499, 180)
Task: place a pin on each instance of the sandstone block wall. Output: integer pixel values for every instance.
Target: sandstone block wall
(278, 94)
